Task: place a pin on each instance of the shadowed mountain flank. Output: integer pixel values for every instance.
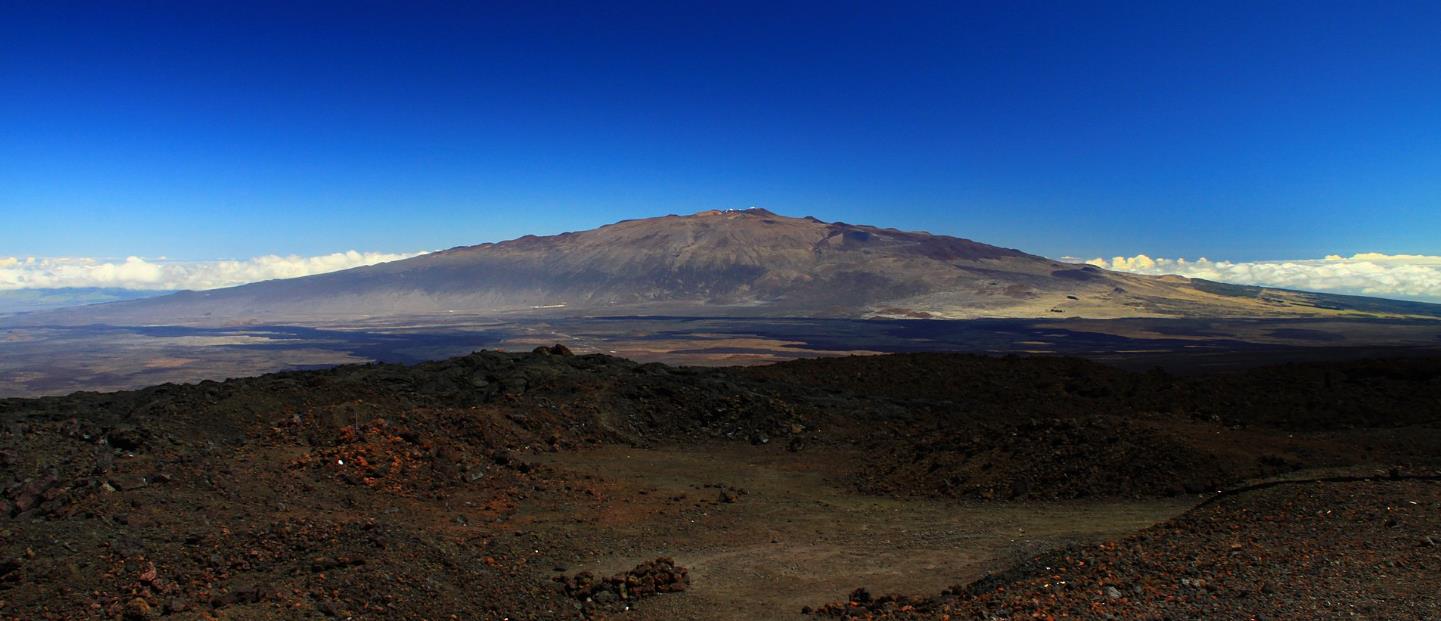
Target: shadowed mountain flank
(730, 263)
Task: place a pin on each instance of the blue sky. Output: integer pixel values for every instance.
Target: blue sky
(198, 130)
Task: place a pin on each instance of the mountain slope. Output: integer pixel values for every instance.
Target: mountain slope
(25, 300)
(748, 262)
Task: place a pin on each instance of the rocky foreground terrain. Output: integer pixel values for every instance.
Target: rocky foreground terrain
(1345, 549)
(488, 487)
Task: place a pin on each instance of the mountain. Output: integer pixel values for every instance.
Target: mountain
(741, 263)
(25, 300)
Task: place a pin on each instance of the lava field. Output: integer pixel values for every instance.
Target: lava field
(443, 490)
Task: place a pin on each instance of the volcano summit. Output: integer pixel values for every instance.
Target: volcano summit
(746, 263)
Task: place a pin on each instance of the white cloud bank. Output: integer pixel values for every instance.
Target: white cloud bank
(165, 275)
(1408, 276)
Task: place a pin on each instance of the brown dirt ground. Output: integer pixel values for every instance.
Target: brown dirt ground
(797, 531)
(460, 489)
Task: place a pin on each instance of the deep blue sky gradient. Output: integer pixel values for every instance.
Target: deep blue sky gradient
(1237, 130)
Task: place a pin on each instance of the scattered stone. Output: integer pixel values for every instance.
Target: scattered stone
(104, 460)
(126, 483)
(328, 608)
(137, 610)
(554, 350)
(148, 575)
(646, 579)
(126, 438)
(8, 569)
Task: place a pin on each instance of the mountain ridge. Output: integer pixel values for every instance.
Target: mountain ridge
(734, 263)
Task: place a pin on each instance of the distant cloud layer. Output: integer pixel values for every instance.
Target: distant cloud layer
(161, 274)
(1409, 276)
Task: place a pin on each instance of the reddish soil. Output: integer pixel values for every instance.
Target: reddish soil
(463, 488)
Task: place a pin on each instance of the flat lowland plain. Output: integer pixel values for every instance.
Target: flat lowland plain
(52, 360)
